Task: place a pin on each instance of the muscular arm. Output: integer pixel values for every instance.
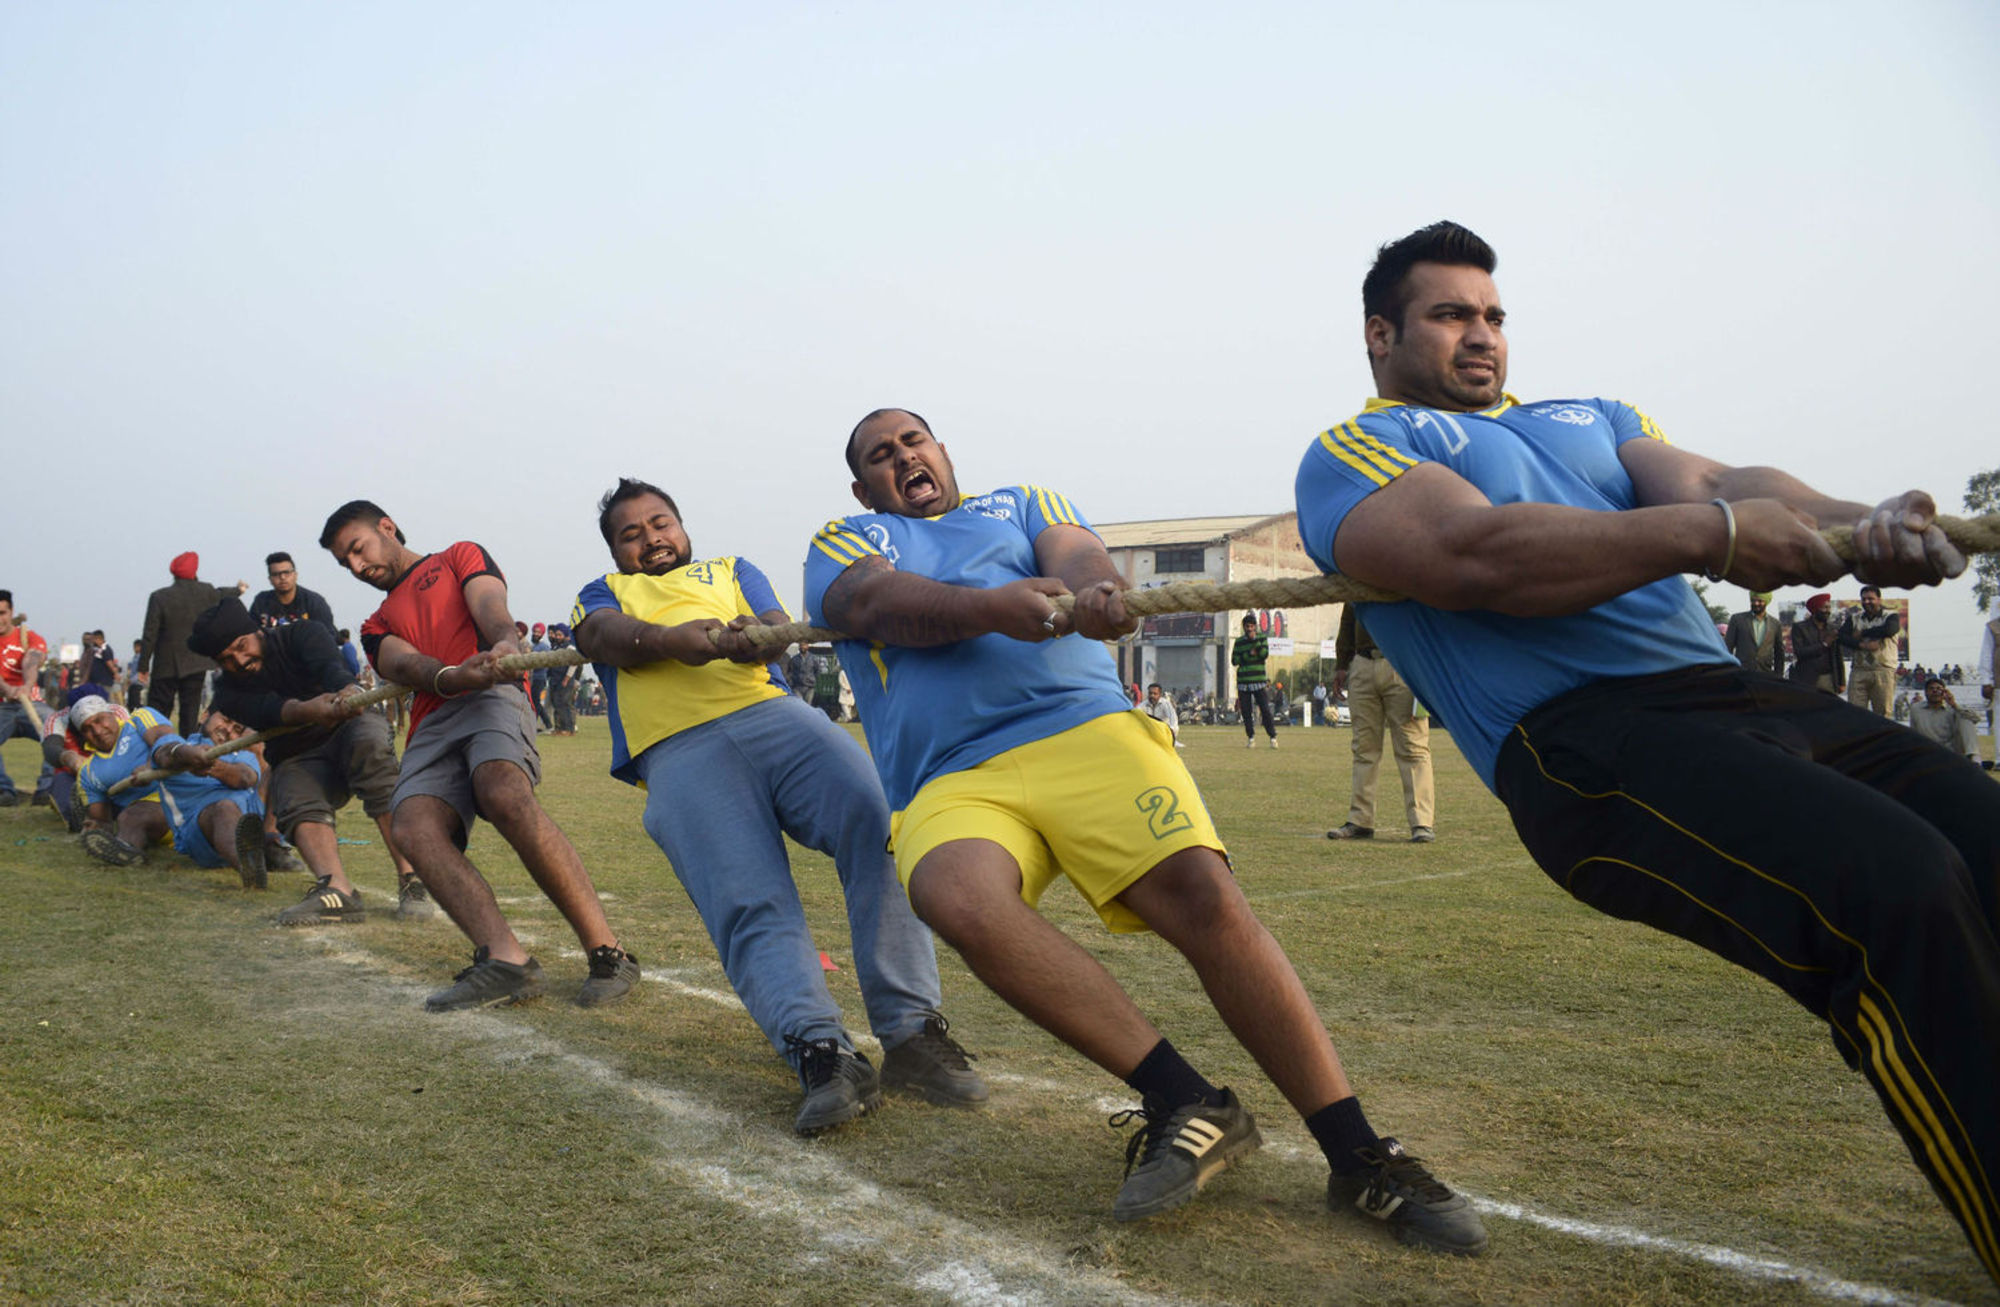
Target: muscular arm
(1896, 542)
(1432, 535)
(486, 597)
(1077, 558)
(622, 640)
(871, 600)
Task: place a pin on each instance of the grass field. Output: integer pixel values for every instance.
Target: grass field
(198, 1107)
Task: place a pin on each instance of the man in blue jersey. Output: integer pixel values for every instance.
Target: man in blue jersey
(731, 763)
(213, 804)
(1542, 547)
(118, 827)
(1011, 754)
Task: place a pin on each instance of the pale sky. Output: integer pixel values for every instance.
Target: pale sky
(475, 261)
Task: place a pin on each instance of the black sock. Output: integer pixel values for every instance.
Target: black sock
(1165, 1075)
(1341, 1128)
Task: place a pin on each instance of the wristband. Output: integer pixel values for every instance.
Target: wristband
(438, 675)
(1729, 549)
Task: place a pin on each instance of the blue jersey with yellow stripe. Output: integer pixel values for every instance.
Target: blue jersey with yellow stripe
(647, 704)
(944, 709)
(1484, 671)
(104, 770)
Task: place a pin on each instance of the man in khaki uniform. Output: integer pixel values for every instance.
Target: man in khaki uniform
(1870, 635)
(1378, 699)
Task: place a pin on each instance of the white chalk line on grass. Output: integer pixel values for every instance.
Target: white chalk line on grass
(1749, 1265)
(775, 1176)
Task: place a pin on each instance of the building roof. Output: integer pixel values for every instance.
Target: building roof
(1179, 530)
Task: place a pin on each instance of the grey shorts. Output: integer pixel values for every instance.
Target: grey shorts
(359, 758)
(494, 725)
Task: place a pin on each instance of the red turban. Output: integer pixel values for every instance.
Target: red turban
(184, 565)
(1818, 603)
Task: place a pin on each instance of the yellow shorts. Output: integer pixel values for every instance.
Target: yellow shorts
(1102, 803)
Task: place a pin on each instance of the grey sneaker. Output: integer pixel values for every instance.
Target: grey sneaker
(413, 901)
(487, 983)
(1176, 1152)
(613, 972)
(1422, 835)
(324, 905)
(280, 856)
(103, 845)
(931, 1064)
(1398, 1189)
(839, 1085)
(250, 864)
(1349, 831)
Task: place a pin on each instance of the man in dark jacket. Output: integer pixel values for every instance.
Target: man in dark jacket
(173, 671)
(1815, 660)
(1753, 638)
(293, 676)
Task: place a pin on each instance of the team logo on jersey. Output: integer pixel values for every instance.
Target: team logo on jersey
(1574, 414)
(878, 535)
(1000, 506)
(426, 581)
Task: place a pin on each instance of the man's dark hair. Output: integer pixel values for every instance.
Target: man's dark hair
(1155, 685)
(363, 511)
(272, 560)
(1938, 681)
(628, 488)
(7, 598)
(1867, 590)
(854, 462)
(1383, 291)
(1249, 619)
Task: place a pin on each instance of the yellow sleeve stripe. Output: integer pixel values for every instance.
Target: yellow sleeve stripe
(1386, 456)
(1054, 507)
(1365, 454)
(1647, 425)
(841, 546)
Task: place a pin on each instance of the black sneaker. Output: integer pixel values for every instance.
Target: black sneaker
(324, 905)
(1349, 831)
(11, 799)
(413, 901)
(1176, 1152)
(839, 1085)
(42, 799)
(931, 1064)
(487, 983)
(250, 863)
(613, 972)
(1397, 1188)
(107, 847)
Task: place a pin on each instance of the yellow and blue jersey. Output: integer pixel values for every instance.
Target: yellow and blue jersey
(949, 707)
(129, 754)
(1483, 671)
(648, 704)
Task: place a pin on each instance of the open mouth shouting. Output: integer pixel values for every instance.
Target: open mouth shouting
(661, 558)
(920, 490)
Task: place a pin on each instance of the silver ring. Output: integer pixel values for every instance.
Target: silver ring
(1049, 622)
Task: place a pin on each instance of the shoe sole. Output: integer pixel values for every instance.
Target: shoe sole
(250, 852)
(325, 919)
(862, 1106)
(504, 1000)
(937, 1097)
(108, 848)
(1212, 1164)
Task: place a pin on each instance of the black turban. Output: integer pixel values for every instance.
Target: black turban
(215, 629)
